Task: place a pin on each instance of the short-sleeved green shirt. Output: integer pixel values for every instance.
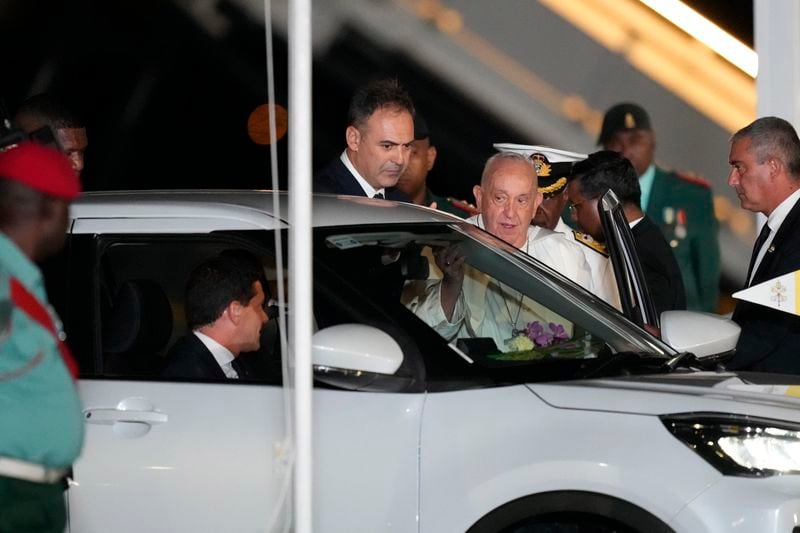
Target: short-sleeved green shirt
(40, 412)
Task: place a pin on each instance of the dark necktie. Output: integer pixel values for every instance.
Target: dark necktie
(762, 238)
(379, 195)
(240, 368)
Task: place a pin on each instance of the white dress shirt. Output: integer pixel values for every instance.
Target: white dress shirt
(368, 189)
(774, 222)
(222, 355)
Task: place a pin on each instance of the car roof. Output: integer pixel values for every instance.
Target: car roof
(250, 207)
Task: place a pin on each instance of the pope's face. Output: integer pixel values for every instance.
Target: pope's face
(508, 199)
(379, 148)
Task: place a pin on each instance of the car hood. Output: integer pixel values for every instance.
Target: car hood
(745, 393)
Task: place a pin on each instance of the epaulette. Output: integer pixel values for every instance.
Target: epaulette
(463, 205)
(693, 179)
(587, 240)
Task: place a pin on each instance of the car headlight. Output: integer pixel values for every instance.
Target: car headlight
(739, 445)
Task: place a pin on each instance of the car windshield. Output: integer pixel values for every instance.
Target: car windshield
(512, 310)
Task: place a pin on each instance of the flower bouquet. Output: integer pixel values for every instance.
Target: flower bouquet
(538, 341)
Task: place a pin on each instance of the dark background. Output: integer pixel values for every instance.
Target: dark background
(733, 16)
(166, 105)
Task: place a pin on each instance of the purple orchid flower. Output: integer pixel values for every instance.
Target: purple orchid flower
(559, 334)
(541, 337)
(536, 332)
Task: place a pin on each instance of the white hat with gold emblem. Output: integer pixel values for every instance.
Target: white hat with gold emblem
(552, 166)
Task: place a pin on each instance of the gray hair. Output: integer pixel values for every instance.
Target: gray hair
(773, 138)
(511, 156)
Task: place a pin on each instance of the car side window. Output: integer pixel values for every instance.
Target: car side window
(508, 315)
(68, 278)
(495, 318)
(138, 286)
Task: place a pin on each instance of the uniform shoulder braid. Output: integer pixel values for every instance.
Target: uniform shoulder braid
(587, 240)
(463, 205)
(691, 177)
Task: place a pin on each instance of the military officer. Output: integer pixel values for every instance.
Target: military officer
(553, 168)
(681, 205)
(413, 182)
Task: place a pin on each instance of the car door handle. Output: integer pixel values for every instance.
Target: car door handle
(112, 416)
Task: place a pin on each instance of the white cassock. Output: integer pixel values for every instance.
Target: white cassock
(603, 280)
(489, 308)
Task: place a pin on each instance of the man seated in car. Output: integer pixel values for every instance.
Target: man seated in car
(225, 313)
(467, 303)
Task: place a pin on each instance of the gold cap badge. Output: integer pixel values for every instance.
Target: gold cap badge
(630, 122)
(541, 164)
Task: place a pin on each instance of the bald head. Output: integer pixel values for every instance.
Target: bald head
(508, 158)
(508, 196)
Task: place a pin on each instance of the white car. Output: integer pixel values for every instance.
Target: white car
(610, 430)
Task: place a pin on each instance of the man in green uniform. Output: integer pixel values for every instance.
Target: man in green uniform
(41, 425)
(681, 205)
(413, 182)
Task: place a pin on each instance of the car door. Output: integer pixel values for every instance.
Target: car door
(161, 455)
(177, 457)
(203, 456)
(637, 303)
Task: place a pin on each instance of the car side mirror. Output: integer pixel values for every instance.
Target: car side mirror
(706, 335)
(357, 357)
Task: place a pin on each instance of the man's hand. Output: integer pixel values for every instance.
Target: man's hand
(450, 261)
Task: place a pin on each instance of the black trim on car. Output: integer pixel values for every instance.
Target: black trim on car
(580, 509)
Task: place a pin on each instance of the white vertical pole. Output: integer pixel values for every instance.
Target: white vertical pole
(300, 280)
(777, 39)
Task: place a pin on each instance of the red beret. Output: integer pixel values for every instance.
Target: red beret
(41, 168)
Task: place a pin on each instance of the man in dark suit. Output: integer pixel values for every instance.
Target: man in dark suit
(225, 312)
(765, 171)
(681, 205)
(380, 130)
(609, 170)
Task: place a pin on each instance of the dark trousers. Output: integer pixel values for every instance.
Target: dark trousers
(27, 507)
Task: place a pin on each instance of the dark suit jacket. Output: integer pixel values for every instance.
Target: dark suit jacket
(190, 359)
(661, 271)
(336, 179)
(770, 339)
